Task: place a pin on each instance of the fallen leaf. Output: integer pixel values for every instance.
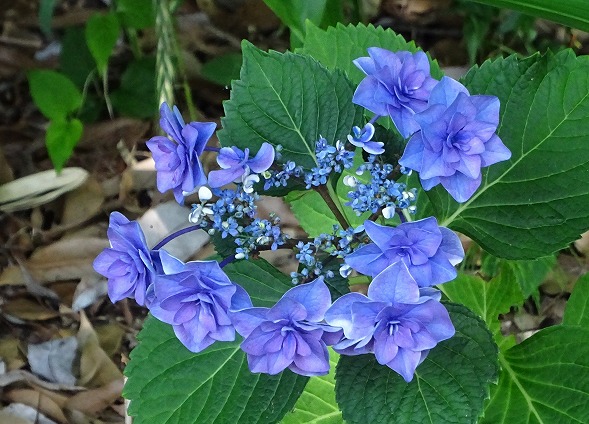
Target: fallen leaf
(96, 400)
(40, 188)
(11, 354)
(82, 203)
(27, 310)
(26, 377)
(67, 259)
(110, 336)
(53, 359)
(91, 288)
(34, 399)
(109, 132)
(96, 368)
(18, 413)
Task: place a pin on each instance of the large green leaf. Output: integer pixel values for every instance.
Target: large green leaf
(545, 379)
(317, 403)
(169, 384)
(577, 309)
(311, 211)
(449, 386)
(535, 203)
(287, 99)
(338, 46)
(487, 299)
(573, 13)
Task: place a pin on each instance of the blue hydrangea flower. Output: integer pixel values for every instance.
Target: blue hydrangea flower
(429, 251)
(177, 162)
(195, 297)
(236, 162)
(396, 84)
(127, 264)
(456, 140)
(362, 137)
(291, 334)
(395, 322)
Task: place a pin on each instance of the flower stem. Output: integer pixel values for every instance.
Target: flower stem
(176, 234)
(324, 191)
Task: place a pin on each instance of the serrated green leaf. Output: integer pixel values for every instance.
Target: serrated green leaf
(449, 386)
(529, 274)
(169, 384)
(102, 32)
(55, 95)
(545, 379)
(263, 282)
(287, 99)
(535, 203)
(577, 308)
(311, 211)
(317, 403)
(338, 46)
(61, 138)
(487, 299)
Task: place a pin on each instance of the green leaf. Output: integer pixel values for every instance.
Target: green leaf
(529, 274)
(337, 47)
(136, 96)
(577, 308)
(573, 13)
(311, 211)
(61, 138)
(487, 299)
(75, 60)
(287, 99)
(45, 84)
(449, 386)
(102, 32)
(136, 14)
(317, 403)
(535, 203)
(169, 384)
(545, 379)
(222, 69)
(263, 282)
(294, 13)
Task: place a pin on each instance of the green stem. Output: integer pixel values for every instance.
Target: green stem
(328, 195)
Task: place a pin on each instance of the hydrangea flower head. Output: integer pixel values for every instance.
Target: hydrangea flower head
(456, 140)
(177, 160)
(127, 263)
(396, 84)
(428, 251)
(399, 328)
(236, 163)
(195, 297)
(291, 334)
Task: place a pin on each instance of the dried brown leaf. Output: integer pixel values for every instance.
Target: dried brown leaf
(34, 399)
(96, 368)
(67, 259)
(96, 400)
(28, 310)
(82, 203)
